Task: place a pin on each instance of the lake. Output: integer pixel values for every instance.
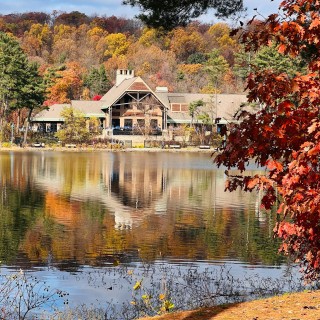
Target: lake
(74, 218)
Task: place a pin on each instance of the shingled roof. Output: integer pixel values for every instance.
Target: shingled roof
(53, 113)
(222, 106)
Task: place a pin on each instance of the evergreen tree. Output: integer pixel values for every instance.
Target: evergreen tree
(242, 65)
(32, 95)
(169, 14)
(19, 81)
(97, 81)
(269, 58)
(216, 67)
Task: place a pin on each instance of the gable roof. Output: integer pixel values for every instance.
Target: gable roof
(128, 85)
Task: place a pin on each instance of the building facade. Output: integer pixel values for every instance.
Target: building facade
(132, 105)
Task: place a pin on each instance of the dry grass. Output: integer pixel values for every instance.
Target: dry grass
(295, 306)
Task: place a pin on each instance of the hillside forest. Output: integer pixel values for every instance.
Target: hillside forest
(78, 55)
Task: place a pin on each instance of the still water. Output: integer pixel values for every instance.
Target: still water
(67, 213)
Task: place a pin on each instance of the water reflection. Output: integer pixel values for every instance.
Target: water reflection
(78, 208)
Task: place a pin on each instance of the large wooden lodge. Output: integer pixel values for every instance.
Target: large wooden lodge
(131, 103)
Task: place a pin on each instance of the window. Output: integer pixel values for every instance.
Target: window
(154, 123)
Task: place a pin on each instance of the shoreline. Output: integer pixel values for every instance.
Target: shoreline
(92, 149)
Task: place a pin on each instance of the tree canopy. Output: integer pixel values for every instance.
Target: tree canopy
(75, 127)
(20, 84)
(284, 136)
(169, 14)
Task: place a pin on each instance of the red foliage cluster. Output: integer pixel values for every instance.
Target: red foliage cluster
(284, 135)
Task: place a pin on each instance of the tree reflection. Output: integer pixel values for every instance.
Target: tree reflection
(73, 209)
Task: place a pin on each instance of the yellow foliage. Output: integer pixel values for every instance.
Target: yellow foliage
(186, 42)
(209, 89)
(85, 94)
(219, 29)
(137, 286)
(117, 44)
(220, 34)
(62, 32)
(148, 37)
(144, 69)
(97, 32)
(190, 68)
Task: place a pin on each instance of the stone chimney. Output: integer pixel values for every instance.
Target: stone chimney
(123, 74)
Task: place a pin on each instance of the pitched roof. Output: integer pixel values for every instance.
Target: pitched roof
(50, 114)
(89, 108)
(217, 106)
(116, 92)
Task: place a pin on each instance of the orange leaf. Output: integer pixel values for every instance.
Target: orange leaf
(274, 165)
(282, 48)
(314, 24)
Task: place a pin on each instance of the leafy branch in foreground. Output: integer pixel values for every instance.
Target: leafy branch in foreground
(284, 136)
(169, 14)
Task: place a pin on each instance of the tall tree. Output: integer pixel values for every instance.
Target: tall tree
(169, 14)
(216, 67)
(18, 81)
(32, 96)
(284, 135)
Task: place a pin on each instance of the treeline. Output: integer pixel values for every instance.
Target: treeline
(78, 55)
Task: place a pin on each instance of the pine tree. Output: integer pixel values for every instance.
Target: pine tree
(19, 81)
(97, 81)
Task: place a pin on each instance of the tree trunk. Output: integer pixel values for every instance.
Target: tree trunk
(3, 119)
(26, 128)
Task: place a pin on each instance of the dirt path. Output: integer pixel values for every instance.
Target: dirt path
(296, 306)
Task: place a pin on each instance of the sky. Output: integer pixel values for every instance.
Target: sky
(113, 7)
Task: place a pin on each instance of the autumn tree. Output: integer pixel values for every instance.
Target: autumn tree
(73, 19)
(64, 83)
(74, 129)
(38, 41)
(191, 78)
(185, 42)
(117, 44)
(148, 61)
(64, 43)
(284, 136)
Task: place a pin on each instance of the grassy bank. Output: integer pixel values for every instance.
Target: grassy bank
(293, 306)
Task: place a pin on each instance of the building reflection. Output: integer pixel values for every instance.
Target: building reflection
(104, 207)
